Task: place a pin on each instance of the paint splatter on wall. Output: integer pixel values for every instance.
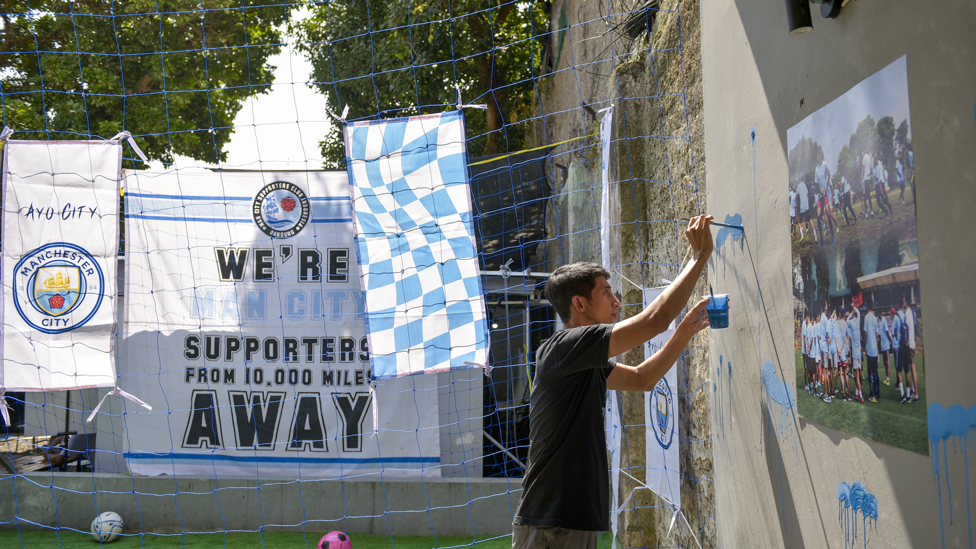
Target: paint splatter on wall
(723, 395)
(957, 423)
(851, 499)
(779, 392)
(725, 232)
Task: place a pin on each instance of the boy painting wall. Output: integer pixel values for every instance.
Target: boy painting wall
(566, 492)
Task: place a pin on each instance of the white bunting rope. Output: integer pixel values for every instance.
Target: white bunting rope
(3, 405)
(123, 394)
(677, 510)
(461, 105)
(132, 142)
(376, 411)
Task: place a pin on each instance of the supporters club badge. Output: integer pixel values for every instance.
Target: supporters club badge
(281, 209)
(58, 287)
(660, 403)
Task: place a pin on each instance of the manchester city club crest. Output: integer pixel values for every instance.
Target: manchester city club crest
(281, 209)
(58, 287)
(662, 414)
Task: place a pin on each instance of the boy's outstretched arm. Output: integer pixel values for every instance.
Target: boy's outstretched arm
(646, 376)
(658, 315)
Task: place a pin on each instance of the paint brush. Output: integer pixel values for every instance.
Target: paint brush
(717, 224)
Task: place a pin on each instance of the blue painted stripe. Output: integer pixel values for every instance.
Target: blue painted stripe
(278, 459)
(225, 219)
(190, 219)
(226, 198)
(191, 197)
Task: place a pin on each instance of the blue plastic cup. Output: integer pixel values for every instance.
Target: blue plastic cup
(718, 311)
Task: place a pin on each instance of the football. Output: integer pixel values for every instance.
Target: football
(106, 527)
(335, 540)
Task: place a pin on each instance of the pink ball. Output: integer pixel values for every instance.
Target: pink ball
(335, 540)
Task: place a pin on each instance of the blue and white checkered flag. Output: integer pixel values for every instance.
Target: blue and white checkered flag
(418, 263)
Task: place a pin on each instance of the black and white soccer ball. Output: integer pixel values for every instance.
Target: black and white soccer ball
(106, 527)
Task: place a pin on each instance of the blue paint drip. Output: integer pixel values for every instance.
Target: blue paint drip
(956, 422)
(730, 392)
(869, 510)
(843, 505)
(850, 500)
(724, 233)
(718, 397)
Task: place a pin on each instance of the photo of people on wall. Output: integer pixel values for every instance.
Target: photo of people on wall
(857, 300)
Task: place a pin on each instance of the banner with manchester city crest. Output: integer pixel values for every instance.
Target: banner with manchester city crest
(661, 420)
(60, 246)
(244, 330)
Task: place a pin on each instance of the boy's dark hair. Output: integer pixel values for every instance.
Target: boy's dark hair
(576, 279)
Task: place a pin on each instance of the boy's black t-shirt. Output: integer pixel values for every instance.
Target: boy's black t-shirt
(567, 483)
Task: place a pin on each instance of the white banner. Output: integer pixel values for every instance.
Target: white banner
(244, 330)
(60, 243)
(615, 431)
(415, 234)
(606, 125)
(661, 419)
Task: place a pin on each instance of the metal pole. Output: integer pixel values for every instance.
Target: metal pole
(503, 449)
(506, 273)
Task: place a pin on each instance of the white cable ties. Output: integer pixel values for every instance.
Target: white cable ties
(3, 402)
(123, 394)
(376, 412)
(132, 143)
(488, 367)
(461, 105)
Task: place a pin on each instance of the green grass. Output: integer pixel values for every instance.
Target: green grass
(69, 539)
(866, 230)
(887, 421)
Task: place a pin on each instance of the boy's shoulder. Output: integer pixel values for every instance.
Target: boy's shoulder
(571, 335)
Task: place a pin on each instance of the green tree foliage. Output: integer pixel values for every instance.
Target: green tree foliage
(848, 165)
(803, 159)
(823, 275)
(852, 265)
(888, 254)
(864, 138)
(902, 143)
(806, 274)
(174, 72)
(901, 136)
(403, 57)
(886, 142)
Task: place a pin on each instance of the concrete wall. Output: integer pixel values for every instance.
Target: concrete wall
(395, 507)
(770, 492)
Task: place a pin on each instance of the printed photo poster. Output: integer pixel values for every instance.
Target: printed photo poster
(858, 337)
(244, 329)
